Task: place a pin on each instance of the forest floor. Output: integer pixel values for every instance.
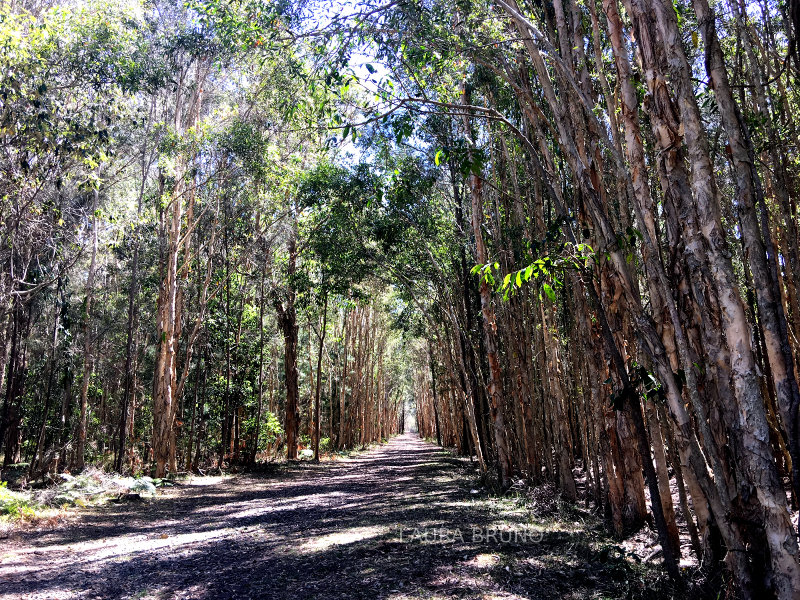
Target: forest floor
(402, 521)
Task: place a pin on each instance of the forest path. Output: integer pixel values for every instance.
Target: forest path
(399, 521)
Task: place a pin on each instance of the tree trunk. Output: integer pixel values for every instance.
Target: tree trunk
(37, 461)
(496, 399)
(287, 318)
(168, 311)
(133, 310)
(323, 331)
(756, 456)
(80, 449)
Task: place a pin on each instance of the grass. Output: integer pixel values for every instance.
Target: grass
(91, 488)
(17, 506)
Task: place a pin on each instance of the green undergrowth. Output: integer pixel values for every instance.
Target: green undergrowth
(64, 491)
(16, 505)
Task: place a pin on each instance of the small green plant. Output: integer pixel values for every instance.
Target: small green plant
(15, 504)
(271, 430)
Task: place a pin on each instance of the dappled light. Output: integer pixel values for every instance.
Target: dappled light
(349, 531)
(400, 299)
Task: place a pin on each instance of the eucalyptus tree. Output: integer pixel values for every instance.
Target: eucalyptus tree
(590, 207)
(337, 235)
(66, 76)
(207, 38)
(625, 205)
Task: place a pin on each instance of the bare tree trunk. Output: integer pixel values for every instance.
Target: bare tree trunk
(323, 331)
(188, 466)
(433, 396)
(188, 96)
(163, 389)
(496, 399)
(260, 367)
(80, 449)
(346, 319)
(660, 459)
(39, 452)
(760, 252)
(287, 318)
(15, 381)
(133, 309)
(756, 456)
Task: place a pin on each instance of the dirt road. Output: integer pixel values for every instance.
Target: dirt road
(401, 521)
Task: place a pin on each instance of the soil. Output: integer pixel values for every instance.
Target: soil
(404, 520)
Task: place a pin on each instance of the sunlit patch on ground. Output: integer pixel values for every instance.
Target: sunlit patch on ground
(484, 561)
(348, 536)
(331, 531)
(204, 480)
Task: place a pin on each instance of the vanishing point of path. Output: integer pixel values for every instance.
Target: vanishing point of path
(401, 521)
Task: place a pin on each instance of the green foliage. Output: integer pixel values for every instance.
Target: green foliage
(341, 206)
(15, 504)
(574, 256)
(249, 25)
(271, 430)
(63, 78)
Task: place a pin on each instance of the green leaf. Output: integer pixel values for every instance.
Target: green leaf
(549, 291)
(528, 273)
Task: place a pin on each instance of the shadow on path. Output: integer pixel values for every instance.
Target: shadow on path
(397, 522)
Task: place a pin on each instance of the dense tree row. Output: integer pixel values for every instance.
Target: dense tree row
(167, 295)
(625, 177)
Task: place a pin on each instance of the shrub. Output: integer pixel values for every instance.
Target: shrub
(15, 504)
